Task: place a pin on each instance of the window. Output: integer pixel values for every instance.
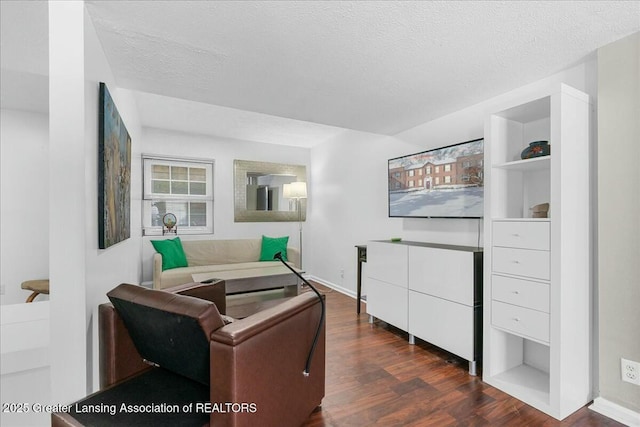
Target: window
(183, 187)
(419, 172)
(466, 164)
(437, 180)
(447, 179)
(397, 174)
(437, 169)
(411, 172)
(428, 170)
(419, 183)
(447, 168)
(411, 183)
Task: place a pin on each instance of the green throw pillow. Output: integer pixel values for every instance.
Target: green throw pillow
(273, 245)
(172, 253)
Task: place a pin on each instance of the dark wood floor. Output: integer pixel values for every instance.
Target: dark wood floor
(374, 377)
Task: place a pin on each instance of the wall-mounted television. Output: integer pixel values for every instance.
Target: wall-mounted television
(446, 182)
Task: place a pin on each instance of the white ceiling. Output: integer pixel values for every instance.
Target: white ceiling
(298, 72)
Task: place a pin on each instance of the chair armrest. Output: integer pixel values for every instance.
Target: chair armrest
(241, 330)
(261, 359)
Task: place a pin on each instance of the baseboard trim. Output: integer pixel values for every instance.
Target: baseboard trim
(615, 412)
(333, 286)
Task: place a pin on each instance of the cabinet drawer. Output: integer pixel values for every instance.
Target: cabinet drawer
(387, 302)
(521, 234)
(524, 293)
(447, 324)
(521, 262)
(388, 262)
(521, 321)
(442, 273)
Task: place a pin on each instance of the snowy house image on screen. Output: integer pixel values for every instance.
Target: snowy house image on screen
(446, 182)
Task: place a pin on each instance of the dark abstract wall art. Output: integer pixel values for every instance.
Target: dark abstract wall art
(114, 174)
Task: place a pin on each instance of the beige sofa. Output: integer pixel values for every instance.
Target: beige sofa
(211, 256)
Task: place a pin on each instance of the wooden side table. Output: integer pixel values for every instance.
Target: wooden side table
(362, 257)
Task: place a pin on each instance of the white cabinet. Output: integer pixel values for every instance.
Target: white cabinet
(537, 293)
(443, 273)
(387, 285)
(432, 291)
(388, 302)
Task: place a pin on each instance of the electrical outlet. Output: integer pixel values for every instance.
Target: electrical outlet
(342, 273)
(630, 371)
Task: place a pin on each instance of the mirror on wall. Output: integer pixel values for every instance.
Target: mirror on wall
(259, 191)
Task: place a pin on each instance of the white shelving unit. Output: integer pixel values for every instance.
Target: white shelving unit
(537, 293)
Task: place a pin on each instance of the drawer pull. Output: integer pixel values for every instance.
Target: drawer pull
(516, 292)
(515, 261)
(515, 235)
(516, 319)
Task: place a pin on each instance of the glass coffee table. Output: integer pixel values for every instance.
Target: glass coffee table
(251, 291)
(255, 279)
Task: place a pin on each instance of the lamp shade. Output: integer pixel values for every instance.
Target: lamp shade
(295, 190)
(286, 191)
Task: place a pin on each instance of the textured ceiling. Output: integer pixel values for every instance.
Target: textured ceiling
(380, 67)
(374, 66)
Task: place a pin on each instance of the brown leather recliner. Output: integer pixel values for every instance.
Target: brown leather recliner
(169, 359)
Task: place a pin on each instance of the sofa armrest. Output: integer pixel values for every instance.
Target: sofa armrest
(157, 271)
(261, 359)
(293, 255)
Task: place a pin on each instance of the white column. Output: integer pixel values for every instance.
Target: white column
(67, 200)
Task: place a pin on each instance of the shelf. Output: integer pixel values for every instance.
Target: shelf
(522, 219)
(535, 164)
(542, 359)
(528, 112)
(514, 333)
(526, 383)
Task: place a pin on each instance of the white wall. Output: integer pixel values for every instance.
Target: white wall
(25, 359)
(619, 216)
(348, 203)
(24, 202)
(348, 196)
(24, 236)
(67, 200)
(106, 268)
(24, 255)
(223, 152)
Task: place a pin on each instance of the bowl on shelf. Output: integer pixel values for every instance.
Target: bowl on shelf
(536, 149)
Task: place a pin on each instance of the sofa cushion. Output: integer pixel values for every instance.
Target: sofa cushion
(212, 252)
(179, 276)
(181, 272)
(169, 330)
(273, 245)
(173, 255)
